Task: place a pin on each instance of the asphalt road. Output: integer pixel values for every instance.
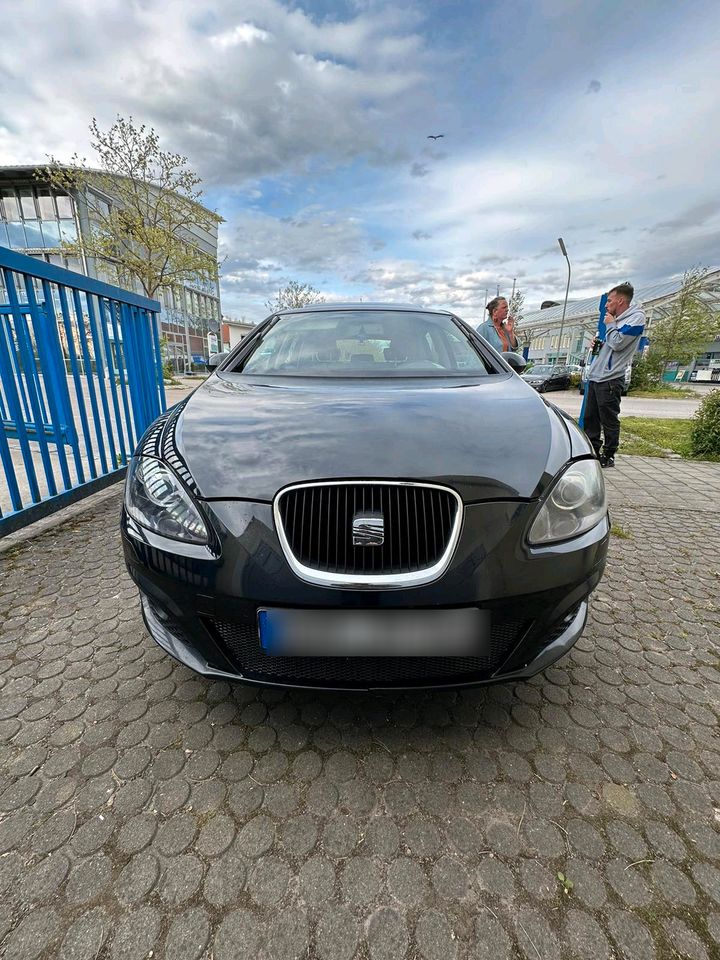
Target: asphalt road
(571, 400)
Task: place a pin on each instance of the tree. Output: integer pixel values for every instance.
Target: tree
(294, 294)
(143, 205)
(681, 335)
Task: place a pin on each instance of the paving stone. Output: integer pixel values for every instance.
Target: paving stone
(42, 881)
(435, 937)
(181, 878)
(534, 935)
(188, 935)
(492, 941)
(685, 941)
(136, 934)
(36, 933)
(268, 881)
(585, 938)
(337, 934)
(316, 880)
(137, 878)
(407, 883)
(387, 935)
(288, 935)
(89, 879)
(215, 836)
(672, 884)
(495, 878)
(361, 880)
(145, 808)
(86, 936)
(632, 937)
(225, 879)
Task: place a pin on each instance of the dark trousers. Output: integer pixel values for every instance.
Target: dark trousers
(602, 412)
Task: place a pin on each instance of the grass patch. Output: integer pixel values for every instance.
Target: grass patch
(655, 438)
(664, 393)
(645, 437)
(619, 531)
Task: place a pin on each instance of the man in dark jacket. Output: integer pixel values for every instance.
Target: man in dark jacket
(625, 322)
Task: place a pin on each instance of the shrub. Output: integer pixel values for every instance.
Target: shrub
(705, 431)
(645, 375)
(575, 379)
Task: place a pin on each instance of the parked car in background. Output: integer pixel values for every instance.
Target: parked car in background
(546, 376)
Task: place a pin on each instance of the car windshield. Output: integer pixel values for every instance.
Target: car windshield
(542, 369)
(366, 343)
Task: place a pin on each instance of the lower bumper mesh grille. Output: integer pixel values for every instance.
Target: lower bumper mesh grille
(241, 643)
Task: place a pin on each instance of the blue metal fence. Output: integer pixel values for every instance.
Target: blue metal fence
(80, 381)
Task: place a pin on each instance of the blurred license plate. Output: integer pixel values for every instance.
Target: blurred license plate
(374, 633)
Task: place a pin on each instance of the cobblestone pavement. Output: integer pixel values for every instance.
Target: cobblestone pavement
(147, 812)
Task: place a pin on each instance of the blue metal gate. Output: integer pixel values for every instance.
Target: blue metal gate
(80, 381)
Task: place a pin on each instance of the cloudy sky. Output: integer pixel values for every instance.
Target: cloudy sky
(309, 123)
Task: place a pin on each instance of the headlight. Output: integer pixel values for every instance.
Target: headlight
(575, 504)
(155, 498)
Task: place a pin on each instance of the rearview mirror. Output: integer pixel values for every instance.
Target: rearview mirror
(516, 360)
(214, 360)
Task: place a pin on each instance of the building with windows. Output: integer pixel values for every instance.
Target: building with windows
(35, 219)
(234, 331)
(552, 341)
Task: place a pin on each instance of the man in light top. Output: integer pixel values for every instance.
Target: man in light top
(625, 323)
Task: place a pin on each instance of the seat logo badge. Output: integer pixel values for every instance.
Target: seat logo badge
(368, 530)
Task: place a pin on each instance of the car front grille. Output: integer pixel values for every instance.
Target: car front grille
(420, 525)
(240, 642)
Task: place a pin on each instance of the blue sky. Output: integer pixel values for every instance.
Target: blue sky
(308, 123)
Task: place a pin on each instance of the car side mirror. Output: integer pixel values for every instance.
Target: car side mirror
(516, 360)
(213, 361)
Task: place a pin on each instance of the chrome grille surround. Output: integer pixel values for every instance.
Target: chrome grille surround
(370, 581)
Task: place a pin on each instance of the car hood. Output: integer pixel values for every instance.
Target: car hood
(492, 438)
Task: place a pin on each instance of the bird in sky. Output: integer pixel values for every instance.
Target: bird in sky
(435, 136)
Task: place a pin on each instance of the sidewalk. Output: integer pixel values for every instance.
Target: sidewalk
(145, 811)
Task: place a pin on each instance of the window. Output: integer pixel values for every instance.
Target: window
(33, 237)
(68, 231)
(46, 205)
(51, 233)
(16, 236)
(11, 207)
(27, 205)
(64, 206)
(364, 343)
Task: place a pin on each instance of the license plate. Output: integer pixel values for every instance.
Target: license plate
(374, 633)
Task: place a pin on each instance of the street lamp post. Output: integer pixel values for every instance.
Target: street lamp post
(567, 290)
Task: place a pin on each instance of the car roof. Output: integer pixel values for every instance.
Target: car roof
(362, 305)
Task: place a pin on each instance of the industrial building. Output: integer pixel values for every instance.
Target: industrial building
(35, 219)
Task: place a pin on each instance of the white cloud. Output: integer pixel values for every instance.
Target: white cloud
(243, 33)
(243, 97)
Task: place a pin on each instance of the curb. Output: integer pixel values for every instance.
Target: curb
(60, 517)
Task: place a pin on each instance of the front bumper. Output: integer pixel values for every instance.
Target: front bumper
(202, 607)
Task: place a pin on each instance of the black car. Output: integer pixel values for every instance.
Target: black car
(365, 496)
(545, 376)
